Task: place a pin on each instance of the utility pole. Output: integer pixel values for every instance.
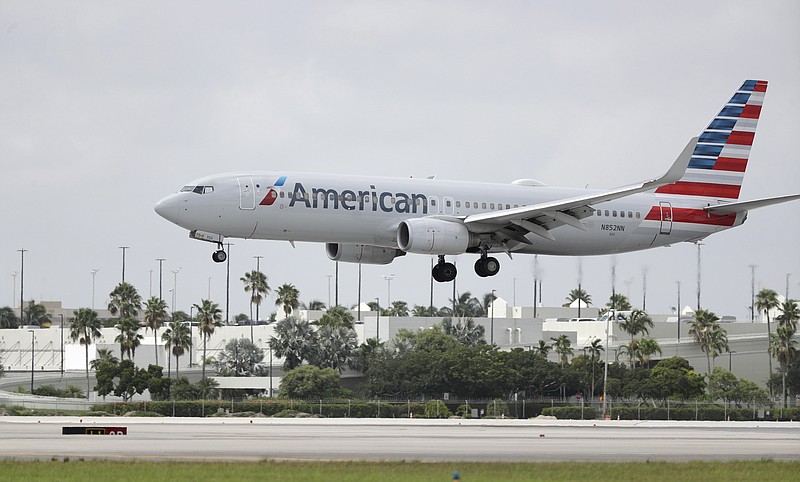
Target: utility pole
(161, 277)
(644, 289)
(94, 275)
(388, 278)
(258, 268)
(752, 293)
(228, 285)
(175, 291)
(21, 284)
(123, 248)
(14, 290)
(699, 274)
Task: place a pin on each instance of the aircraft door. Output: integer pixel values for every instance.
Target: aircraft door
(666, 217)
(247, 193)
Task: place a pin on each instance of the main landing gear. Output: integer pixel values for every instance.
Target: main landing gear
(444, 272)
(219, 256)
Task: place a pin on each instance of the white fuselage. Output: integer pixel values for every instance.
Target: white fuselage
(330, 208)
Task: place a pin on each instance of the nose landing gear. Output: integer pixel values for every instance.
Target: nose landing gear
(219, 256)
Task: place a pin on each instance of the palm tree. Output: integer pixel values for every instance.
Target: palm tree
(594, 349)
(36, 314)
(399, 308)
(488, 299)
(467, 306)
(637, 322)
(255, 283)
(125, 301)
(338, 348)
(155, 313)
(466, 331)
(790, 314)
(178, 338)
(315, 305)
(767, 300)
(578, 294)
(209, 316)
(129, 338)
(84, 328)
(287, 298)
(702, 328)
(294, 341)
(104, 355)
(562, 346)
(782, 346)
(647, 347)
(543, 349)
(618, 302)
(8, 319)
(336, 316)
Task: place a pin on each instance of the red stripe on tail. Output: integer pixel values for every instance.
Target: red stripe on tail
(701, 189)
(694, 216)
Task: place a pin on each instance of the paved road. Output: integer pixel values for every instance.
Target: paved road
(370, 439)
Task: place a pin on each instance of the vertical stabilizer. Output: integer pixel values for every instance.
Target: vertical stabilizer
(719, 160)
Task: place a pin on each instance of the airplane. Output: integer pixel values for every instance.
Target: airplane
(373, 220)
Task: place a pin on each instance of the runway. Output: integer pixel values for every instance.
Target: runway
(243, 439)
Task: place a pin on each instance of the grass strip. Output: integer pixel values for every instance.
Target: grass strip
(81, 470)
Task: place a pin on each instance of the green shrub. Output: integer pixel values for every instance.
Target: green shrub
(570, 413)
(436, 409)
(497, 409)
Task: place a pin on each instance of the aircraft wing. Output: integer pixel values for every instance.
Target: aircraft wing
(737, 207)
(516, 223)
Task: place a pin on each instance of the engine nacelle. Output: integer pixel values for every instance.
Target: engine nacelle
(435, 236)
(361, 253)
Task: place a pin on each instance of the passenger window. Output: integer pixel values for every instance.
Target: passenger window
(637, 215)
(630, 214)
(607, 213)
(433, 202)
(282, 194)
(483, 205)
(491, 206)
(448, 203)
(458, 204)
(508, 206)
(516, 205)
(622, 214)
(614, 213)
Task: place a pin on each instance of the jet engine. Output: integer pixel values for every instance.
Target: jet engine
(361, 253)
(435, 236)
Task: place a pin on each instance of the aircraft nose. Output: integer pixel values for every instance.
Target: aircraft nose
(169, 208)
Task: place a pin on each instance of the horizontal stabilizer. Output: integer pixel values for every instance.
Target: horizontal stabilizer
(737, 207)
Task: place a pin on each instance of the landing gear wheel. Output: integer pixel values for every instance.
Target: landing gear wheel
(219, 256)
(444, 272)
(448, 272)
(487, 266)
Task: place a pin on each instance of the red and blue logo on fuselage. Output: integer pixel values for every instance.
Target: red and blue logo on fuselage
(272, 194)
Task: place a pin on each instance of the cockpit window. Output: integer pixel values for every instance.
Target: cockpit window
(198, 189)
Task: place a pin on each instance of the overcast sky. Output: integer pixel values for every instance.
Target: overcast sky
(106, 107)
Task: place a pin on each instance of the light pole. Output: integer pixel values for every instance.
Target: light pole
(209, 287)
(514, 293)
(161, 277)
(491, 325)
(699, 277)
(33, 342)
(21, 283)
(123, 248)
(388, 278)
(329, 290)
(679, 318)
(608, 331)
(62, 343)
(378, 325)
(228, 285)
(175, 290)
(258, 268)
(730, 361)
(94, 275)
(191, 322)
(752, 293)
(14, 290)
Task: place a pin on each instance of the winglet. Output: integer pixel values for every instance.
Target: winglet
(678, 168)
